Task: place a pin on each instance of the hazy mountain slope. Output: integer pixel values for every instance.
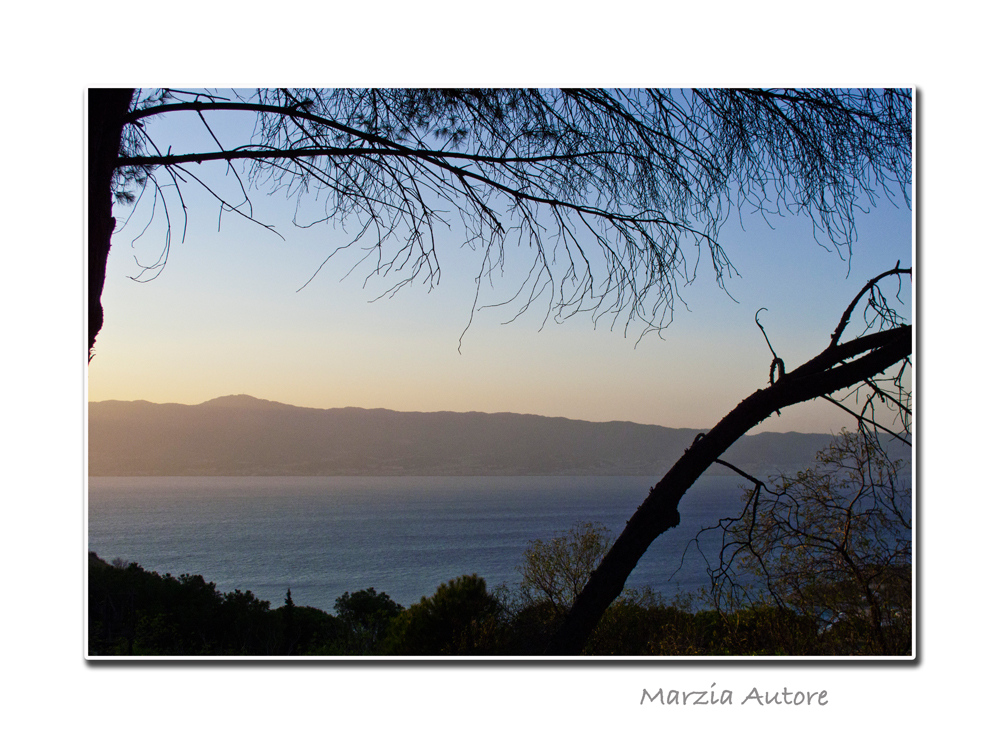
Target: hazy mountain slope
(240, 435)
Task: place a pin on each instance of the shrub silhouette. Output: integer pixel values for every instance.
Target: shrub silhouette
(460, 618)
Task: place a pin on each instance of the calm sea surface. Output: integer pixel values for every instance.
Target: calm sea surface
(323, 536)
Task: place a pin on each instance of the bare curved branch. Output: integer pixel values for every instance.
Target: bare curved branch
(837, 367)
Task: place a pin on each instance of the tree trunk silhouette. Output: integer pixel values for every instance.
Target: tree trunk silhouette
(824, 374)
(105, 118)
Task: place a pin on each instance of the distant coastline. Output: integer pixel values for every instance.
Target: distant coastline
(242, 435)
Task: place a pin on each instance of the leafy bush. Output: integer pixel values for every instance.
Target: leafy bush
(461, 618)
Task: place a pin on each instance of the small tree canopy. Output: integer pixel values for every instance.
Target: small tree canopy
(366, 616)
(458, 619)
(557, 569)
(833, 542)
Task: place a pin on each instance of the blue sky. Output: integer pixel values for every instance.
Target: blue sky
(224, 317)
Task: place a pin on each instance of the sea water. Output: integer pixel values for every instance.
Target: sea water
(321, 536)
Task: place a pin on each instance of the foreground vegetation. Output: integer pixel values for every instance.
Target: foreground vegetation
(138, 612)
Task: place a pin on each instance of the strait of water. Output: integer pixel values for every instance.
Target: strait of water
(322, 536)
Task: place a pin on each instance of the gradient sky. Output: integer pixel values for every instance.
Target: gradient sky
(224, 317)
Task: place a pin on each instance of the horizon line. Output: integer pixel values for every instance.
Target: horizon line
(483, 413)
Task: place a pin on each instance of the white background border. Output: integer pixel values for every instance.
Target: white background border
(52, 53)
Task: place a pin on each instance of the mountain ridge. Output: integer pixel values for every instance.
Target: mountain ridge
(243, 435)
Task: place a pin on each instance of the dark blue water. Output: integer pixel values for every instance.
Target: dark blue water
(323, 536)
